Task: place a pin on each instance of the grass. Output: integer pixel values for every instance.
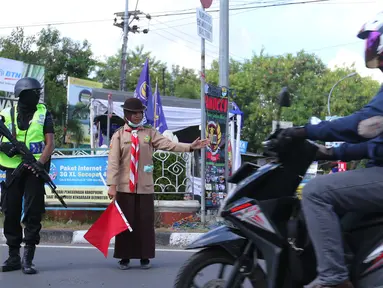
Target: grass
(49, 224)
(76, 225)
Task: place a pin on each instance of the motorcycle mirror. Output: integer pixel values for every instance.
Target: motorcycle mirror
(314, 120)
(284, 98)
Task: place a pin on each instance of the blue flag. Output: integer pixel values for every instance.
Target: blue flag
(160, 121)
(144, 93)
(237, 111)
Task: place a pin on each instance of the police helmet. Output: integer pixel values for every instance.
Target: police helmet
(25, 84)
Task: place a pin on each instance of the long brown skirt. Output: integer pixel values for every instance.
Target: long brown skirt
(141, 242)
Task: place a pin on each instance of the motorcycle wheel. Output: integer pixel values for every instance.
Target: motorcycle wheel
(211, 256)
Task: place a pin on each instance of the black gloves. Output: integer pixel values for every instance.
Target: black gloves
(8, 149)
(293, 133)
(324, 153)
(287, 136)
(37, 166)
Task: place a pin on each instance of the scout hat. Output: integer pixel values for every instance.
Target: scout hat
(134, 105)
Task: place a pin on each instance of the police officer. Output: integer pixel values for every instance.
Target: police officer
(31, 123)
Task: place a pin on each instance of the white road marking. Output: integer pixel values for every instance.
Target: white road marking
(110, 248)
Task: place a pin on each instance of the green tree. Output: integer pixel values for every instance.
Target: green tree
(179, 82)
(108, 72)
(258, 81)
(61, 57)
(185, 83)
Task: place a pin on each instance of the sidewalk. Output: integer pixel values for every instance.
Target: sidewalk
(174, 239)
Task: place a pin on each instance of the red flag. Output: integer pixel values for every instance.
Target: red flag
(111, 223)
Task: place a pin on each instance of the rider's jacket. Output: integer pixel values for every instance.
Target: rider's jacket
(346, 130)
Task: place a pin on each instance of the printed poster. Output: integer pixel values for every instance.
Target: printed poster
(79, 92)
(217, 105)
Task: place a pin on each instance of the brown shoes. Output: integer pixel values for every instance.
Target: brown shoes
(346, 284)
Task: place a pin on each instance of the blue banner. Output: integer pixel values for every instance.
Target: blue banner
(243, 146)
(79, 180)
(79, 171)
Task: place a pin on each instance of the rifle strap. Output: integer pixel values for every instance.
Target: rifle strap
(13, 121)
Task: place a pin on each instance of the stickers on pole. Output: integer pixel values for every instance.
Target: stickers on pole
(216, 109)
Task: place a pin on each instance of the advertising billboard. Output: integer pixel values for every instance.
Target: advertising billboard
(79, 91)
(12, 71)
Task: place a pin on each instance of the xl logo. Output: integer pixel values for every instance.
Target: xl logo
(1, 72)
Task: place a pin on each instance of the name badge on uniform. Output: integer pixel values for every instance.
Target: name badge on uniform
(41, 119)
(148, 168)
(147, 139)
(127, 142)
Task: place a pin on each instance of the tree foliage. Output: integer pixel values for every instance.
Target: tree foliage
(256, 81)
(61, 57)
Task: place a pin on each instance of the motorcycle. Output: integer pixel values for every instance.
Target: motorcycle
(264, 221)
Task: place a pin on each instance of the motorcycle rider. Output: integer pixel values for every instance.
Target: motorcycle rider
(327, 197)
(31, 123)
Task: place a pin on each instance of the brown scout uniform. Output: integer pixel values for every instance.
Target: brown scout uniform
(138, 206)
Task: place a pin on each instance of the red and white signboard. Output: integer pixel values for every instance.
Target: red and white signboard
(342, 166)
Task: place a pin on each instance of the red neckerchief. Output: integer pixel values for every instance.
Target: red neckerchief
(134, 158)
(130, 129)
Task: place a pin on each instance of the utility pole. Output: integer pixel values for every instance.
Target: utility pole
(163, 81)
(224, 43)
(125, 26)
(124, 48)
(203, 136)
(205, 29)
(224, 69)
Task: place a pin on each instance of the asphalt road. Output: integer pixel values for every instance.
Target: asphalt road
(82, 266)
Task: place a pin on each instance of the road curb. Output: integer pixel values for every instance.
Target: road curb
(177, 239)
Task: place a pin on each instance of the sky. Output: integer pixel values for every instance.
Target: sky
(326, 29)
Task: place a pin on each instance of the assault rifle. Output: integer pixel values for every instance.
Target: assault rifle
(28, 160)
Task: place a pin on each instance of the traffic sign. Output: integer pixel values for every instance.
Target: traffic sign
(206, 3)
(205, 25)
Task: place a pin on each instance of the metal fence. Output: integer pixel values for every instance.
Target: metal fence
(173, 172)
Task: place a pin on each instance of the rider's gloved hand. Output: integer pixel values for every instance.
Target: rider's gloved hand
(8, 149)
(324, 153)
(293, 133)
(287, 136)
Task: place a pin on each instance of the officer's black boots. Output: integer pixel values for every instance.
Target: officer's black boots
(13, 262)
(27, 265)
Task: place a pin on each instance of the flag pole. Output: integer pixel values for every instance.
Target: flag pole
(155, 104)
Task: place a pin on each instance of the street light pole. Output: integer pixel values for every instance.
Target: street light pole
(329, 95)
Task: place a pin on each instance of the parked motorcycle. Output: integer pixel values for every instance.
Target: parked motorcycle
(264, 221)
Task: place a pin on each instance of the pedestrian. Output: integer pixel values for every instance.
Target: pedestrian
(132, 146)
(31, 123)
(334, 168)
